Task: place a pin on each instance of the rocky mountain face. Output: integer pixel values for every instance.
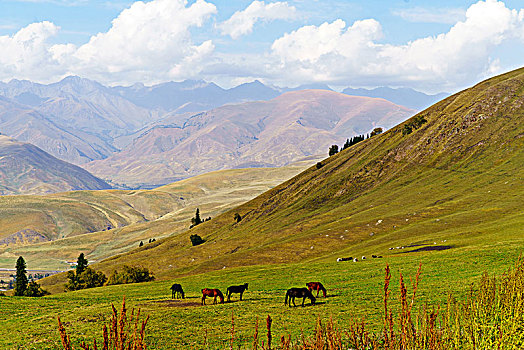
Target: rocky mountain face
(25, 168)
(288, 128)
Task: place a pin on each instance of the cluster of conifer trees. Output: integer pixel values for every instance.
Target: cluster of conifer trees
(354, 140)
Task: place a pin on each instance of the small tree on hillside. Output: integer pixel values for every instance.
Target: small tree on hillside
(196, 220)
(21, 277)
(81, 264)
(376, 131)
(333, 150)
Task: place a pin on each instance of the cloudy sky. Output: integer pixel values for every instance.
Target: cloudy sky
(428, 45)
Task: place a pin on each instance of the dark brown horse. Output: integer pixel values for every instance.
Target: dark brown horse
(300, 293)
(176, 290)
(206, 292)
(236, 289)
(316, 286)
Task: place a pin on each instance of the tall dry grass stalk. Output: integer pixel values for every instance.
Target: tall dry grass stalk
(255, 336)
(124, 333)
(491, 317)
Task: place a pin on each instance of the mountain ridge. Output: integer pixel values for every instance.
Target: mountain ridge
(285, 129)
(25, 168)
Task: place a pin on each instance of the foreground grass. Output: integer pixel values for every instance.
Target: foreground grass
(354, 291)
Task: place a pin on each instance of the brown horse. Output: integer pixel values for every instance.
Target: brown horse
(316, 286)
(206, 292)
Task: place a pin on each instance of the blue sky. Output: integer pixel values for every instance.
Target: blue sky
(411, 43)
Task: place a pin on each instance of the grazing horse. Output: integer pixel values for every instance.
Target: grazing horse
(236, 289)
(316, 286)
(206, 292)
(176, 290)
(301, 293)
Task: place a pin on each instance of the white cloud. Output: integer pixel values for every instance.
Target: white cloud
(152, 42)
(242, 22)
(335, 53)
(149, 41)
(26, 54)
(434, 15)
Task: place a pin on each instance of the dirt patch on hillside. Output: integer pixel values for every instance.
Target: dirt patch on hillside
(175, 303)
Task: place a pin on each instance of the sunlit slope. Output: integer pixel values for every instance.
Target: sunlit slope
(454, 183)
(48, 230)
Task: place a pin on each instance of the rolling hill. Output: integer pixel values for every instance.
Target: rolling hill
(450, 178)
(25, 168)
(52, 229)
(271, 133)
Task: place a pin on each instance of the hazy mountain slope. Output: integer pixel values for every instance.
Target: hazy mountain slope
(402, 96)
(25, 168)
(51, 229)
(26, 124)
(91, 114)
(457, 182)
(271, 133)
(193, 96)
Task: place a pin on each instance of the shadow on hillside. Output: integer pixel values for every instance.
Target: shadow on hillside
(175, 303)
(430, 248)
(309, 304)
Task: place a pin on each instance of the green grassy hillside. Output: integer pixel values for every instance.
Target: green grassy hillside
(455, 183)
(48, 230)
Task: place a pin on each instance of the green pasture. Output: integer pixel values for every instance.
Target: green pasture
(354, 293)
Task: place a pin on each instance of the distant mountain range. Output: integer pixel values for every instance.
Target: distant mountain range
(82, 121)
(271, 133)
(27, 169)
(401, 96)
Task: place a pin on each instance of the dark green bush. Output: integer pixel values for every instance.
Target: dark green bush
(87, 279)
(130, 274)
(196, 240)
(34, 290)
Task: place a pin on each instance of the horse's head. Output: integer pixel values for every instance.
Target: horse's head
(313, 299)
(245, 284)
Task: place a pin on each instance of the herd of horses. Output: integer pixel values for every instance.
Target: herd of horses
(291, 294)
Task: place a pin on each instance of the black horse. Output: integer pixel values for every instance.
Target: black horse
(300, 293)
(177, 289)
(236, 289)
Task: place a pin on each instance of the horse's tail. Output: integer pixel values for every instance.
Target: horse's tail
(285, 300)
